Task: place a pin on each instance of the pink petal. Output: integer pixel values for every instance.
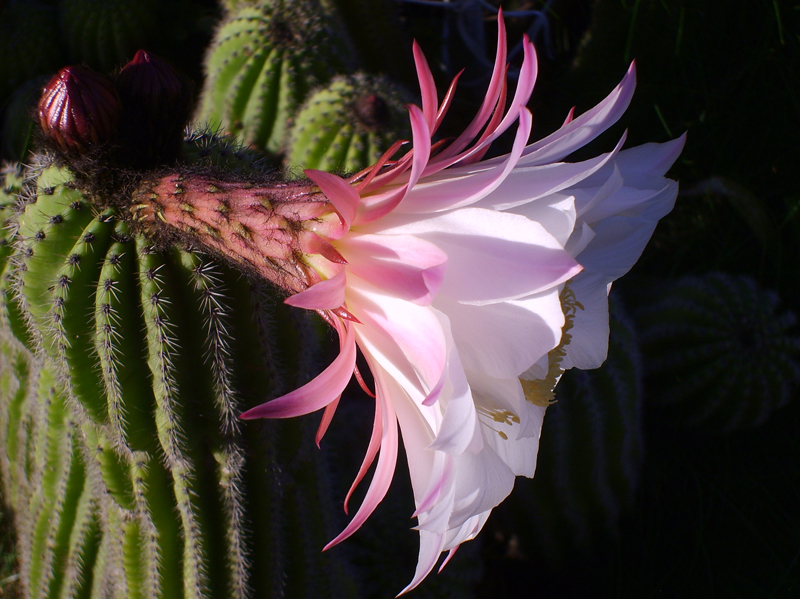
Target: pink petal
(327, 417)
(448, 99)
(384, 471)
(448, 194)
(317, 393)
(580, 131)
(372, 451)
(490, 101)
(403, 265)
(525, 84)
(325, 295)
(311, 243)
(380, 205)
(427, 86)
(342, 195)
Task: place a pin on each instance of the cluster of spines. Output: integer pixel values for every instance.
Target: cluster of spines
(261, 65)
(207, 148)
(721, 355)
(590, 454)
(56, 533)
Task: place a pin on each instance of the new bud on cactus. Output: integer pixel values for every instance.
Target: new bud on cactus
(156, 101)
(79, 109)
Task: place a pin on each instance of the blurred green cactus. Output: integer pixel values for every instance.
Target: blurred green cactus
(105, 34)
(261, 65)
(346, 126)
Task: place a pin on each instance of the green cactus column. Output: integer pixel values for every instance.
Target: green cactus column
(124, 460)
(261, 65)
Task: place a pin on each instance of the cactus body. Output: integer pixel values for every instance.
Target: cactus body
(128, 469)
(261, 66)
(720, 354)
(590, 454)
(346, 126)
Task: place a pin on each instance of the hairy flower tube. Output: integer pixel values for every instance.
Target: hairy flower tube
(468, 285)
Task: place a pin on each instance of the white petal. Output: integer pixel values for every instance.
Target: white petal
(459, 428)
(504, 339)
(526, 184)
(588, 347)
(619, 240)
(482, 481)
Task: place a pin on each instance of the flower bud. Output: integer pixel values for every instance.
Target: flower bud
(79, 109)
(156, 101)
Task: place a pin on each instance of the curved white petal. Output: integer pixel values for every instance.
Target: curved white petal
(505, 338)
(588, 347)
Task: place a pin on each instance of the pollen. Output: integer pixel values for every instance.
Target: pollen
(541, 392)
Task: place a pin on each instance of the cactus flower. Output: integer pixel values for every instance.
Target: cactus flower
(457, 276)
(468, 285)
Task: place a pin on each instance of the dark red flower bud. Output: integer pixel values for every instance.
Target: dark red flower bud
(152, 81)
(156, 100)
(79, 109)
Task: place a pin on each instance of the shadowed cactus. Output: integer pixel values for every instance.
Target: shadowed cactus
(18, 126)
(206, 148)
(261, 65)
(29, 43)
(721, 355)
(348, 125)
(128, 469)
(105, 34)
(590, 455)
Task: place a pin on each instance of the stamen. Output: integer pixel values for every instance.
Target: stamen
(541, 392)
(501, 416)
